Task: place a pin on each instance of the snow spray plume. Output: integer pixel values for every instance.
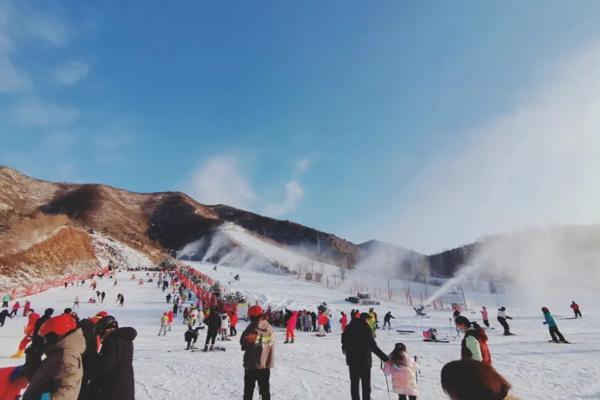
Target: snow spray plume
(545, 265)
(466, 272)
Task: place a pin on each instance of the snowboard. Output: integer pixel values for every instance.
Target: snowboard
(437, 341)
(404, 331)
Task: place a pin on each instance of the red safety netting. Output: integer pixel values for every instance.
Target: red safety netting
(35, 288)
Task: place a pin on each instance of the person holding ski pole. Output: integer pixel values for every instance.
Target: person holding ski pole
(502, 317)
(213, 322)
(555, 334)
(387, 320)
(403, 371)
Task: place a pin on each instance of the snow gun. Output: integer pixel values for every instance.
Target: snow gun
(420, 310)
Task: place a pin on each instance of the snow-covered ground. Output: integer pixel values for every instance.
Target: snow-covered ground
(314, 367)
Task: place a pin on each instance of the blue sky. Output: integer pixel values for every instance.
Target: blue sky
(339, 115)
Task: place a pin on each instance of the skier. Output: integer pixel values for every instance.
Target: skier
(502, 317)
(357, 344)
(76, 302)
(258, 343)
(403, 370)
(344, 321)
(322, 320)
(474, 345)
(168, 298)
(29, 329)
(175, 309)
(575, 307)
(164, 321)
(15, 309)
(469, 380)
(387, 320)
(186, 314)
(170, 319)
(26, 308)
(557, 337)
(3, 314)
(213, 322)
(5, 299)
(116, 360)
(121, 300)
(291, 327)
(313, 321)
(430, 335)
(191, 337)
(61, 372)
(485, 316)
(233, 319)
(102, 296)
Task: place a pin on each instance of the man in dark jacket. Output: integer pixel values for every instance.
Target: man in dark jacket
(357, 345)
(116, 360)
(213, 322)
(3, 315)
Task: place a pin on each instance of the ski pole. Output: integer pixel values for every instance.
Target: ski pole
(387, 385)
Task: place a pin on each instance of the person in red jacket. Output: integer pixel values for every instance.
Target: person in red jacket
(576, 309)
(28, 331)
(170, 315)
(233, 319)
(26, 308)
(474, 345)
(322, 320)
(15, 309)
(344, 321)
(291, 327)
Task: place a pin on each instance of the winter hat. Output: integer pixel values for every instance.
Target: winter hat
(502, 308)
(545, 310)
(255, 312)
(48, 312)
(462, 320)
(102, 314)
(58, 326)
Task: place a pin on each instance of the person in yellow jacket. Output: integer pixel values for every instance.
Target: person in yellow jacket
(164, 322)
(372, 321)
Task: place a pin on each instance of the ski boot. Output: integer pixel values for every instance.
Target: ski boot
(18, 354)
(292, 341)
(286, 341)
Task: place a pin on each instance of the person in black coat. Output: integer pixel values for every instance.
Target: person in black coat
(116, 360)
(213, 322)
(358, 344)
(89, 384)
(3, 314)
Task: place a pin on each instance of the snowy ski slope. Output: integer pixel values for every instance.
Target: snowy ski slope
(314, 367)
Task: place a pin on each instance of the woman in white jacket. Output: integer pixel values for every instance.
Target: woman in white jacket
(403, 370)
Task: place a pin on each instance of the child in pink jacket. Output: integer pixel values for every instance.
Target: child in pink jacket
(403, 370)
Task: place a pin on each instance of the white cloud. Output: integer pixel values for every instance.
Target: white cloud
(37, 113)
(220, 180)
(303, 164)
(538, 165)
(45, 27)
(71, 72)
(293, 194)
(11, 80)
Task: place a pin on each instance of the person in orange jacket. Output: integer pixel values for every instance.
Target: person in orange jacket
(233, 319)
(28, 331)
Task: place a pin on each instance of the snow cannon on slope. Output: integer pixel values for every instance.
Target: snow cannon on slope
(420, 310)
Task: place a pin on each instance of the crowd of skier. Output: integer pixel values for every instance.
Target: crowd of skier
(69, 357)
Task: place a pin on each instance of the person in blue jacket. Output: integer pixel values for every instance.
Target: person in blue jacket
(557, 337)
